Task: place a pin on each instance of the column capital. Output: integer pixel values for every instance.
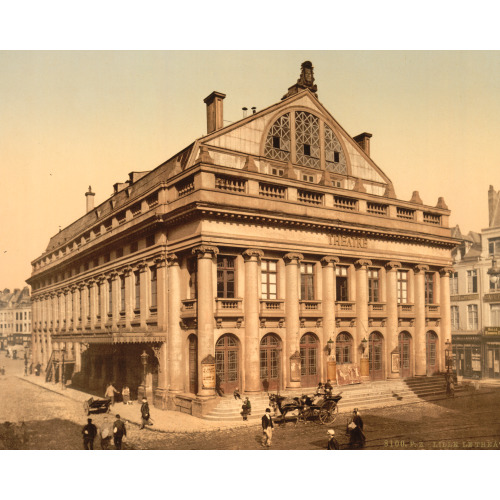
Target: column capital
(141, 266)
(90, 282)
(420, 268)
(253, 252)
(329, 259)
(293, 258)
(172, 260)
(446, 271)
(112, 275)
(160, 260)
(362, 263)
(101, 278)
(392, 265)
(74, 288)
(59, 292)
(202, 250)
(66, 290)
(126, 271)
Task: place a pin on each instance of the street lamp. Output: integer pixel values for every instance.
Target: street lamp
(144, 361)
(447, 355)
(364, 342)
(329, 346)
(63, 351)
(493, 271)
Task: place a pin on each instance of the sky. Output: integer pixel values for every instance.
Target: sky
(70, 119)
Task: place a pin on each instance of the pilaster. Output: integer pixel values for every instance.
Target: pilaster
(419, 348)
(175, 358)
(391, 339)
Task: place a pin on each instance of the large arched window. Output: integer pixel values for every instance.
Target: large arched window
(279, 139)
(343, 348)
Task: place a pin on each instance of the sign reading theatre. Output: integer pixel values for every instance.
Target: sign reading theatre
(339, 240)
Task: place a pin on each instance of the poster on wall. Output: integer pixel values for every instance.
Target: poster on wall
(295, 367)
(395, 362)
(348, 374)
(208, 372)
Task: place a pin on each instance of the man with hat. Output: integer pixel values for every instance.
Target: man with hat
(145, 413)
(89, 433)
(333, 444)
(267, 428)
(119, 431)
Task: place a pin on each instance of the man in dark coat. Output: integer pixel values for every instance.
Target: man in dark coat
(355, 430)
(89, 432)
(267, 428)
(333, 444)
(118, 432)
(145, 413)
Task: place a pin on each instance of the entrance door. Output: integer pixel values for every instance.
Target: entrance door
(270, 347)
(404, 354)
(227, 362)
(375, 356)
(431, 353)
(493, 356)
(309, 369)
(193, 364)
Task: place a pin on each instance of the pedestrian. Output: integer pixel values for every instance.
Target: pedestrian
(328, 387)
(145, 415)
(355, 430)
(3, 370)
(89, 432)
(237, 394)
(119, 431)
(110, 393)
(267, 428)
(126, 395)
(320, 389)
(106, 433)
(247, 409)
(38, 367)
(333, 444)
(450, 385)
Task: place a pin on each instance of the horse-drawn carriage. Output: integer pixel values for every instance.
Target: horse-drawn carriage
(96, 405)
(322, 406)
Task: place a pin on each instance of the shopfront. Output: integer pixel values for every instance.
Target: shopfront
(467, 358)
(491, 339)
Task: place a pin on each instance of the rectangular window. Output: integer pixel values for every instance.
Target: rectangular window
(402, 287)
(269, 279)
(472, 281)
(307, 149)
(494, 246)
(122, 294)
(336, 156)
(454, 283)
(494, 314)
(225, 277)
(429, 288)
(307, 178)
(134, 247)
(119, 253)
(150, 240)
(276, 142)
(455, 318)
(472, 317)
(137, 278)
(98, 308)
(193, 278)
(373, 285)
(342, 283)
(154, 288)
(307, 281)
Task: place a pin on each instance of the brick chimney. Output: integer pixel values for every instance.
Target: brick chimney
(214, 111)
(364, 141)
(89, 195)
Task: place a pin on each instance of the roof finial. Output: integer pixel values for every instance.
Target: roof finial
(305, 81)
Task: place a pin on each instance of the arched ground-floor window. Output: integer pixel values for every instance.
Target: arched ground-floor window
(375, 355)
(227, 365)
(309, 360)
(405, 354)
(270, 362)
(431, 353)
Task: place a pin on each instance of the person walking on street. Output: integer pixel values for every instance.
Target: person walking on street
(355, 430)
(247, 409)
(106, 433)
(333, 444)
(119, 431)
(89, 432)
(110, 393)
(267, 428)
(145, 415)
(126, 394)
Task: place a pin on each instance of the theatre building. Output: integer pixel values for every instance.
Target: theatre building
(270, 253)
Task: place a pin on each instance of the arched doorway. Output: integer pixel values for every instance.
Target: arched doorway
(309, 369)
(227, 362)
(431, 344)
(193, 363)
(270, 349)
(375, 349)
(404, 354)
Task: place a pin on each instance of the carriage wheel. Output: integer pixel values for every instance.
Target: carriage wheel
(328, 413)
(86, 407)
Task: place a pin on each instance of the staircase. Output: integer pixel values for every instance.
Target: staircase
(363, 396)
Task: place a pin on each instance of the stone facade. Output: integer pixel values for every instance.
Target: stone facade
(270, 253)
(15, 317)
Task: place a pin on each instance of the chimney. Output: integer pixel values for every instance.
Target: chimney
(364, 141)
(214, 111)
(493, 207)
(89, 195)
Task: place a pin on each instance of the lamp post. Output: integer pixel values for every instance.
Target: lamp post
(447, 355)
(144, 361)
(364, 343)
(63, 351)
(493, 271)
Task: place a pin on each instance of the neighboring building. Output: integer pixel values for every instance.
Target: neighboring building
(475, 298)
(259, 255)
(15, 317)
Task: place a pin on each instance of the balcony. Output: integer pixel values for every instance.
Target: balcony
(228, 307)
(406, 311)
(432, 311)
(272, 307)
(345, 309)
(377, 310)
(189, 308)
(310, 308)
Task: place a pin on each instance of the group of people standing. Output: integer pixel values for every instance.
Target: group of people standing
(107, 432)
(111, 391)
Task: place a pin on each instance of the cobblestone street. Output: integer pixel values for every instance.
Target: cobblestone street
(49, 421)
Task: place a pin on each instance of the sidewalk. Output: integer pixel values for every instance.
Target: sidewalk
(164, 420)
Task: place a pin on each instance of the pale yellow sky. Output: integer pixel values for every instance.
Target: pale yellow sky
(70, 119)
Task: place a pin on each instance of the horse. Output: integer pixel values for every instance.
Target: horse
(286, 405)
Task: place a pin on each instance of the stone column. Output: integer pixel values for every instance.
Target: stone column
(252, 306)
(60, 310)
(419, 330)
(92, 308)
(115, 299)
(161, 297)
(329, 280)
(362, 314)
(52, 316)
(144, 299)
(129, 295)
(174, 361)
(445, 311)
(83, 299)
(292, 275)
(67, 309)
(206, 347)
(391, 340)
(78, 356)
